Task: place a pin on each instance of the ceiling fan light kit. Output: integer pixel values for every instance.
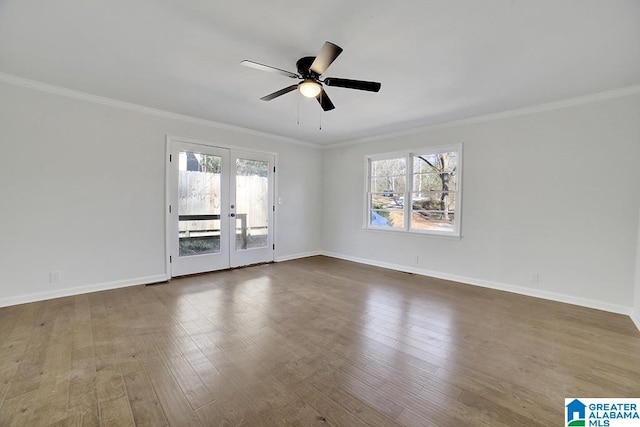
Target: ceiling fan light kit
(310, 88)
(310, 71)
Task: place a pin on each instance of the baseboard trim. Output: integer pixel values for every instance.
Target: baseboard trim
(568, 299)
(297, 256)
(59, 293)
(552, 296)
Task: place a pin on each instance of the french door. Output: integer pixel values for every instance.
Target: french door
(220, 208)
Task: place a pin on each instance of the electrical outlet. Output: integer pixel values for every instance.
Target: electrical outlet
(417, 260)
(54, 277)
(535, 277)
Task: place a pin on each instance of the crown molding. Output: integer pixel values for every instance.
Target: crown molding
(571, 102)
(101, 100)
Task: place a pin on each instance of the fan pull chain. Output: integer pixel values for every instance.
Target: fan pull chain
(320, 128)
(298, 110)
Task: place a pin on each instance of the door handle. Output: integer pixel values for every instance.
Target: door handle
(232, 215)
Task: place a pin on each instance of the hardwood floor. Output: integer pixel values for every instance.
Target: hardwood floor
(316, 341)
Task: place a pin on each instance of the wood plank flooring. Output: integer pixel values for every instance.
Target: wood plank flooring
(316, 341)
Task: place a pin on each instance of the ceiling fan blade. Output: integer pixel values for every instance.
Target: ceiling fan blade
(326, 56)
(324, 101)
(270, 69)
(353, 84)
(279, 93)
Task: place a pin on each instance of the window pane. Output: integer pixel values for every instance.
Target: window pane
(420, 222)
(435, 163)
(439, 201)
(392, 184)
(387, 210)
(435, 212)
(428, 182)
(388, 196)
(386, 218)
(393, 201)
(388, 178)
(435, 172)
(435, 182)
(388, 167)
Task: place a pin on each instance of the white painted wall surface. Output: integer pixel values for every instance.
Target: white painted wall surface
(107, 229)
(82, 188)
(551, 192)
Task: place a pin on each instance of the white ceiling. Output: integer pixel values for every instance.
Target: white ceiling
(437, 60)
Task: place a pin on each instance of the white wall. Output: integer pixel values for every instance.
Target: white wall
(552, 192)
(536, 195)
(82, 188)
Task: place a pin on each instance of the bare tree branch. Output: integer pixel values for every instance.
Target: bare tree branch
(427, 162)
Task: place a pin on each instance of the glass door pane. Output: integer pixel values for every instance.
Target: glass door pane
(252, 207)
(252, 204)
(199, 201)
(199, 208)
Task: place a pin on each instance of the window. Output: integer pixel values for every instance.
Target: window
(417, 191)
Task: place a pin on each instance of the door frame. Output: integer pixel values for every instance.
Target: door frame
(169, 139)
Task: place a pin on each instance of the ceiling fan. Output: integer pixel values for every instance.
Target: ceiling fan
(310, 71)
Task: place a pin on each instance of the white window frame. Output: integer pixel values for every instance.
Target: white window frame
(409, 155)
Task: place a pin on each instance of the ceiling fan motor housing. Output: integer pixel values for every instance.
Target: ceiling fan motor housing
(304, 68)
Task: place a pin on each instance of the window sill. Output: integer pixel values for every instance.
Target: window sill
(446, 236)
